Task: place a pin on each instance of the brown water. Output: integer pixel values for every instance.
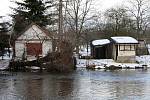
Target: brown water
(79, 85)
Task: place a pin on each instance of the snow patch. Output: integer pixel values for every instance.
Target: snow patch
(103, 63)
(84, 52)
(100, 42)
(145, 59)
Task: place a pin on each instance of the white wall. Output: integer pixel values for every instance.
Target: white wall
(126, 53)
(47, 47)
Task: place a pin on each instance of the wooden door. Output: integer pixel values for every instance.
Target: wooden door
(34, 49)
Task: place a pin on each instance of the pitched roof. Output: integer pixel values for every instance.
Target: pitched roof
(45, 31)
(124, 39)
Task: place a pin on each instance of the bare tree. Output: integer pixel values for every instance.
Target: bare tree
(76, 15)
(139, 10)
(118, 20)
(60, 29)
(99, 21)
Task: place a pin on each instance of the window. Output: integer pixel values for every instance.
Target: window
(132, 47)
(34, 49)
(126, 47)
(121, 47)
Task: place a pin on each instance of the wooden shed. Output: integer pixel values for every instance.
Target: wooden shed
(124, 49)
(100, 49)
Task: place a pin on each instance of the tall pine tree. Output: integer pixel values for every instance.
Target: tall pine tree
(31, 11)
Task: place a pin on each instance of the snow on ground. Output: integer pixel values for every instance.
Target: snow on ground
(4, 61)
(100, 63)
(33, 67)
(145, 59)
(6, 56)
(83, 51)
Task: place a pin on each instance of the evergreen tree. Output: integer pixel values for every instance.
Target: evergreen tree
(31, 11)
(4, 37)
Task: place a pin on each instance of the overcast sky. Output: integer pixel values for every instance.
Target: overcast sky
(100, 5)
(105, 4)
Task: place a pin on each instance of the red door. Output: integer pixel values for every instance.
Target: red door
(34, 49)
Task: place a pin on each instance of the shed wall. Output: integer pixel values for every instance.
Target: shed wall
(19, 49)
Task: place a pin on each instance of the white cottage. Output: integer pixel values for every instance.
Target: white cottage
(124, 48)
(32, 43)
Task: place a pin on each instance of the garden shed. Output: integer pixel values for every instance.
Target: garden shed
(124, 49)
(100, 49)
(33, 42)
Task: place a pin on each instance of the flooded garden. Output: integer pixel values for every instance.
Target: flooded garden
(82, 84)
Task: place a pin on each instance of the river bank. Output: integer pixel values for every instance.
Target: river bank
(141, 62)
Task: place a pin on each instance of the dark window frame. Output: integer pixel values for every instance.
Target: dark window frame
(124, 49)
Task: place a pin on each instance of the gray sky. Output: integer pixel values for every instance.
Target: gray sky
(100, 5)
(4, 7)
(105, 4)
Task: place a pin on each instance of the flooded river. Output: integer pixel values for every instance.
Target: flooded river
(80, 85)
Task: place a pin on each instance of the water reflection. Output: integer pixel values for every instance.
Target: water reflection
(65, 87)
(80, 85)
(126, 90)
(33, 88)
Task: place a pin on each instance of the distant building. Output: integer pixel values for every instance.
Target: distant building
(32, 43)
(120, 48)
(124, 49)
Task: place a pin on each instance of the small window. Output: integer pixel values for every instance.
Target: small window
(127, 47)
(132, 47)
(121, 47)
